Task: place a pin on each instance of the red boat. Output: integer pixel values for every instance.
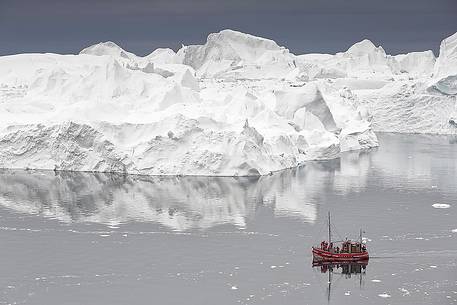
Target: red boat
(340, 251)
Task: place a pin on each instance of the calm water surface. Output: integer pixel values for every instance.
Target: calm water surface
(110, 239)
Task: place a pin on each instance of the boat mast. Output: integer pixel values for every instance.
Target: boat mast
(329, 230)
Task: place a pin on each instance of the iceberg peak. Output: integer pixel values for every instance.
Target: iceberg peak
(231, 36)
(107, 48)
(230, 50)
(364, 47)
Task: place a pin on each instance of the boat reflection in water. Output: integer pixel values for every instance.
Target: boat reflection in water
(346, 270)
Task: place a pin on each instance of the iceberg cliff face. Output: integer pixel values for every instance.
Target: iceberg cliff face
(416, 64)
(237, 105)
(446, 64)
(445, 71)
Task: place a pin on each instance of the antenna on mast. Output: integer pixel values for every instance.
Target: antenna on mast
(329, 229)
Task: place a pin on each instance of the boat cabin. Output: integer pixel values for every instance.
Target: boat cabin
(347, 246)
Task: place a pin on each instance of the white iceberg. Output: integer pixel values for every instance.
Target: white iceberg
(237, 105)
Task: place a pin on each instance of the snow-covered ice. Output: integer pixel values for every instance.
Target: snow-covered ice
(236, 105)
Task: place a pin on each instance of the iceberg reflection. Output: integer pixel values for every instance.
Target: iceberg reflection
(183, 203)
(179, 203)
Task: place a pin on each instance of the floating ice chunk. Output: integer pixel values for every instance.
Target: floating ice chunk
(384, 295)
(234, 288)
(404, 291)
(347, 292)
(441, 205)
(376, 281)
(454, 231)
(273, 267)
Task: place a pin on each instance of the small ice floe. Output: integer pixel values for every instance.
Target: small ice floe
(384, 295)
(234, 288)
(104, 235)
(433, 266)
(273, 267)
(454, 231)
(434, 186)
(404, 291)
(347, 292)
(376, 281)
(441, 205)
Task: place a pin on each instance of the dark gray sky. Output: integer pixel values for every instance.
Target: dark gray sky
(304, 26)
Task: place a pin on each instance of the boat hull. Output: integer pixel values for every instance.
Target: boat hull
(322, 255)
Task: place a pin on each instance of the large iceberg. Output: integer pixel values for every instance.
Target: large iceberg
(236, 105)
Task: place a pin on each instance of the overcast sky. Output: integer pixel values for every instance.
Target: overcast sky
(303, 26)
